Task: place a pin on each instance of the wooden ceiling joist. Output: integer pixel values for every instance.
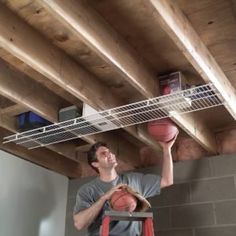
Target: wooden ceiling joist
(14, 110)
(31, 98)
(53, 63)
(199, 130)
(31, 73)
(7, 122)
(106, 42)
(18, 38)
(175, 23)
(14, 86)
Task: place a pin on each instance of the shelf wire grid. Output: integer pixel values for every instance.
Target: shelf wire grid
(190, 100)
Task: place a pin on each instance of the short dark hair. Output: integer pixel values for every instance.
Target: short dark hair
(91, 155)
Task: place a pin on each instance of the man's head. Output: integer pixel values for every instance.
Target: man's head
(99, 156)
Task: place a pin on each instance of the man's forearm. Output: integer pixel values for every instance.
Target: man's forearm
(167, 168)
(84, 218)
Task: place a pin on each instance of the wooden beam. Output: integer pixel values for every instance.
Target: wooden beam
(103, 39)
(43, 157)
(34, 97)
(52, 62)
(22, 90)
(107, 43)
(7, 122)
(199, 130)
(18, 91)
(175, 23)
(15, 88)
(20, 39)
(31, 73)
(14, 110)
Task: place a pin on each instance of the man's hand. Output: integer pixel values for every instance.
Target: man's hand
(108, 194)
(168, 145)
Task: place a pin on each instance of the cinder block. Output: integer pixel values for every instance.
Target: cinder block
(175, 194)
(161, 218)
(176, 232)
(226, 212)
(213, 189)
(188, 170)
(192, 215)
(223, 165)
(216, 231)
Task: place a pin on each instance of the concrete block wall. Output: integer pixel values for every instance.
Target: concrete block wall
(202, 202)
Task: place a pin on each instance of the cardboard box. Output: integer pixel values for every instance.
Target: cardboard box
(172, 83)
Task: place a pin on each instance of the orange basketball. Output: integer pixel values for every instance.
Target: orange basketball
(123, 201)
(162, 130)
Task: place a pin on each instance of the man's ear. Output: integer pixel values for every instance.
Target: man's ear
(95, 164)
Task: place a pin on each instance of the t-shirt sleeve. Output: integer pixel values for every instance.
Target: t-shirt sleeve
(83, 201)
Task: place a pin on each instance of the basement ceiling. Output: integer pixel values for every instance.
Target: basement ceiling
(106, 54)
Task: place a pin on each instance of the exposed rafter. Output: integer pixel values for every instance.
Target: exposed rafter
(50, 61)
(31, 73)
(16, 87)
(32, 97)
(106, 42)
(13, 110)
(7, 122)
(175, 23)
(53, 63)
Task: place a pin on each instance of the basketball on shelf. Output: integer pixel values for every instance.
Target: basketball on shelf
(162, 130)
(123, 201)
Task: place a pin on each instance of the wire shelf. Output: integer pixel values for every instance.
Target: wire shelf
(193, 99)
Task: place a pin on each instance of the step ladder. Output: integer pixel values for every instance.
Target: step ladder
(145, 217)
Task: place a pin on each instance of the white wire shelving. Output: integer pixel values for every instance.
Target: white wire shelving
(190, 100)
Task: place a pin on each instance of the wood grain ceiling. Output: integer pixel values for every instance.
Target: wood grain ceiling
(107, 53)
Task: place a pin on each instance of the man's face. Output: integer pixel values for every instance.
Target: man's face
(106, 159)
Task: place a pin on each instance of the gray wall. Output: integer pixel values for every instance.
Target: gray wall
(32, 199)
(72, 190)
(201, 203)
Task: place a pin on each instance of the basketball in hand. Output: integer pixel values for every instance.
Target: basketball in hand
(162, 130)
(123, 201)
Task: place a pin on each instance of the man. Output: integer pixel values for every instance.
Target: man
(93, 198)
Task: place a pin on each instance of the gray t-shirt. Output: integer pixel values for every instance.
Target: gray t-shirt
(147, 185)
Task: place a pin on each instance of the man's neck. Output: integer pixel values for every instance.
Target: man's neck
(108, 176)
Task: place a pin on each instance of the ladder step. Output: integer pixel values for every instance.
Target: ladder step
(146, 217)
